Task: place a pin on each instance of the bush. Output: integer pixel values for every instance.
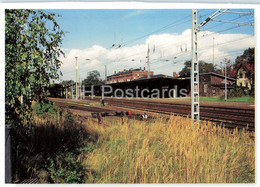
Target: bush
(40, 146)
(68, 118)
(43, 108)
(236, 92)
(65, 168)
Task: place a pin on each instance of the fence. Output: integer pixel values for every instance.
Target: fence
(8, 156)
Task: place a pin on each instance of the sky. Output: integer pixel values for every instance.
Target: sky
(91, 33)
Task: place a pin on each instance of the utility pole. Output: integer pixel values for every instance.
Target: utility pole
(72, 96)
(66, 92)
(148, 62)
(83, 91)
(102, 94)
(195, 115)
(76, 77)
(225, 79)
(105, 73)
(213, 52)
(79, 87)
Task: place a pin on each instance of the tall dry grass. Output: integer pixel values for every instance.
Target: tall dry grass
(170, 152)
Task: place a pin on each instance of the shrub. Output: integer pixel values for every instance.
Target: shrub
(43, 109)
(65, 168)
(39, 147)
(236, 92)
(68, 118)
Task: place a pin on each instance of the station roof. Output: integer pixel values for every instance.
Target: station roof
(214, 74)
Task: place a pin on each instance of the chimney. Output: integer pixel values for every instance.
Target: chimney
(115, 72)
(144, 68)
(140, 68)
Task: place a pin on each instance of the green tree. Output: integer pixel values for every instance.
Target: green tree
(203, 68)
(32, 51)
(67, 82)
(93, 78)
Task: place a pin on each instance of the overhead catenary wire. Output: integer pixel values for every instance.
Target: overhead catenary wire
(179, 54)
(185, 41)
(201, 49)
(163, 46)
(173, 24)
(206, 47)
(148, 34)
(184, 60)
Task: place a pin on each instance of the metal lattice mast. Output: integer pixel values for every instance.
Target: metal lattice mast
(148, 62)
(195, 106)
(195, 115)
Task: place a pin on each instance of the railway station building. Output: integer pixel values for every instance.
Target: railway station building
(211, 84)
(128, 75)
(161, 86)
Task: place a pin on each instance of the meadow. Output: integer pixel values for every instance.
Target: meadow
(59, 148)
(161, 151)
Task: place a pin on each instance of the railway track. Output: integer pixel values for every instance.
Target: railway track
(231, 117)
(78, 106)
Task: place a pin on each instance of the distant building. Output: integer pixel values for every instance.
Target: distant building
(243, 76)
(213, 84)
(128, 75)
(210, 84)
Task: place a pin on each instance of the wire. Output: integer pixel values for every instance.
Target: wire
(166, 47)
(229, 52)
(207, 47)
(173, 24)
(175, 55)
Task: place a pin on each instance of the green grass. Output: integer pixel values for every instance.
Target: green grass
(234, 99)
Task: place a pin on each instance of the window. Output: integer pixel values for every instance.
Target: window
(240, 75)
(205, 88)
(247, 84)
(241, 84)
(213, 91)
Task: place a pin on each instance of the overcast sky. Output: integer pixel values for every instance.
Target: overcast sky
(90, 34)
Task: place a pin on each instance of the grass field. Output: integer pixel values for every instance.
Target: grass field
(235, 99)
(130, 151)
(58, 147)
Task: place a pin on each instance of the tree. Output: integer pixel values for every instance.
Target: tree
(68, 82)
(228, 65)
(248, 57)
(203, 68)
(32, 51)
(93, 78)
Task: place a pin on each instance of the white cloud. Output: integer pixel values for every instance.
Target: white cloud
(167, 53)
(133, 13)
